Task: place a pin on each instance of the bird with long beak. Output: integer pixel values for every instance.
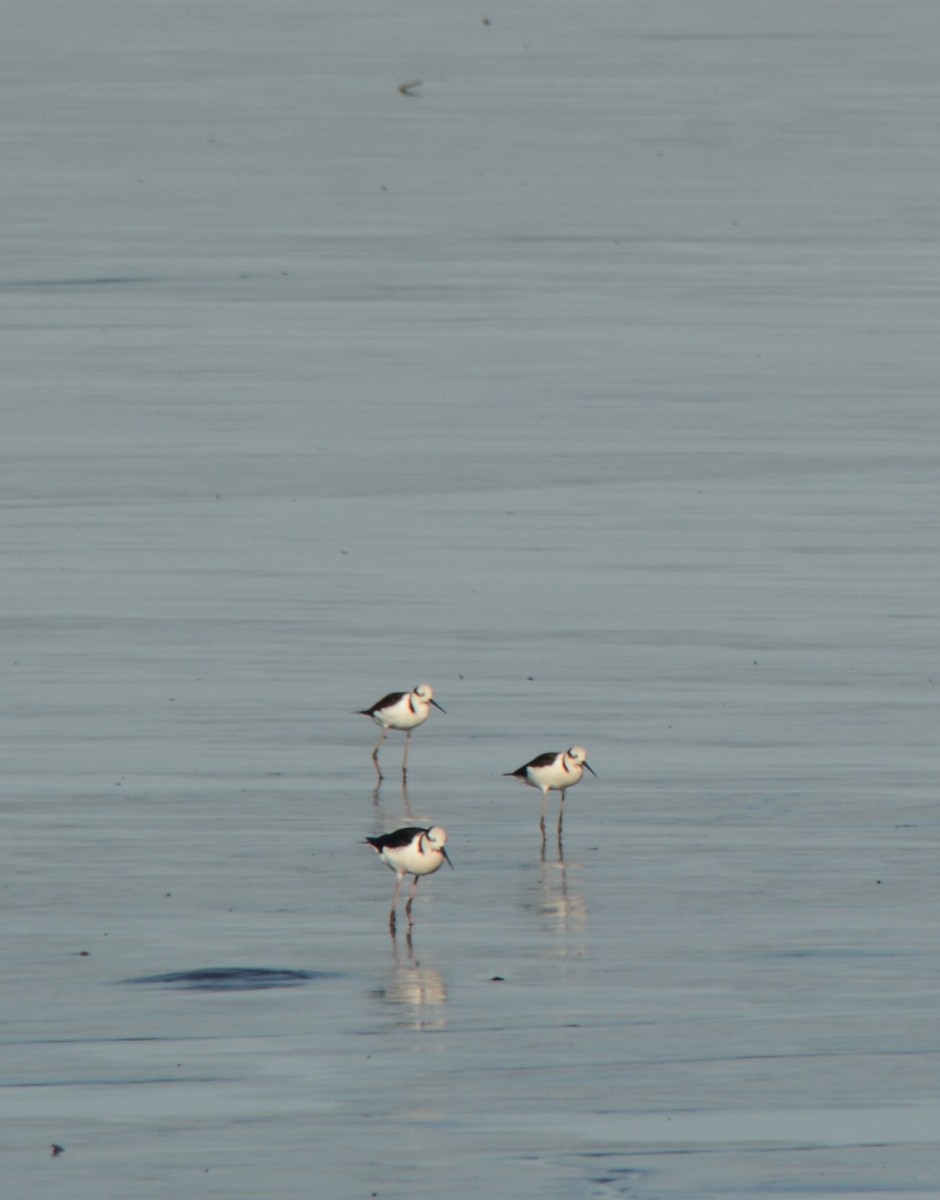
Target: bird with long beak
(411, 851)
(404, 711)
(554, 773)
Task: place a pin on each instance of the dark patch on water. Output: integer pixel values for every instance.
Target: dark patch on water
(615, 1179)
(232, 979)
(78, 281)
(838, 952)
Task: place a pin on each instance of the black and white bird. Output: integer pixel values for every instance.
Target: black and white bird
(404, 711)
(554, 773)
(410, 851)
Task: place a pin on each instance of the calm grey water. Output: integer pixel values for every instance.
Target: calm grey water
(594, 383)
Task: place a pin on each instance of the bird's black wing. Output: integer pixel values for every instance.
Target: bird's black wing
(543, 760)
(400, 837)
(386, 702)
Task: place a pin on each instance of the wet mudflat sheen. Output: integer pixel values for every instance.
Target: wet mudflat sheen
(594, 383)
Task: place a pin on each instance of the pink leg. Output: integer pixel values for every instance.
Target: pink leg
(404, 761)
(411, 898)
(375, 753)
(397, 893)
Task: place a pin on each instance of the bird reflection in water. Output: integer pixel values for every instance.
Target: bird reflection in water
(416, 989)
(405, 804)
(560, 899)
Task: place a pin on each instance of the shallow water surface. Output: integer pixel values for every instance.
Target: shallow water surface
(595, 383)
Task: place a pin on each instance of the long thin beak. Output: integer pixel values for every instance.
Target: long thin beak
(591, 769)
(436, 705)
(447, 856)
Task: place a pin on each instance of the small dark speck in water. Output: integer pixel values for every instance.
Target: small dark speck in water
(55, 1151)
(232, 979)
(498, 979)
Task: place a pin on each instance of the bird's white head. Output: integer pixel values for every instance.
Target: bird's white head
(436, 839)
(425, 692)
(578, 755)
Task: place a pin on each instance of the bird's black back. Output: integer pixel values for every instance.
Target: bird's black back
(400, 837)
(543, 760)
(385, 702)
